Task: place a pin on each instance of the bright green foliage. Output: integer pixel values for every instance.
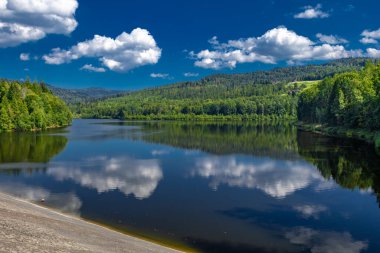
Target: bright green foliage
(268, 95)
(212, 98)
(349, 100)
(27, 106)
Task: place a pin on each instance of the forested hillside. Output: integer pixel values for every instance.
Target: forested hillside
(30, 106)
(251, 96)
(347, 105)
(73, 96)
(350, 99)
(260, 100)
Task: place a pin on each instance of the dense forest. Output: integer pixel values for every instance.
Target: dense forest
(348, 96)
(271, 101)
(350, 99)
(30, 106)
(269, 95)
(347, 104)
(74, 96)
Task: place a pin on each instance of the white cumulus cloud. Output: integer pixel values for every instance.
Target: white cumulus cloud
(366, 40)
(331, 39)
(160, 75)
(24, 57)
(370, 37)
(127, 51)
(190, 74)
(22, 21)
(278, 44)
(372, 52)
(91, 68)
(311, 12)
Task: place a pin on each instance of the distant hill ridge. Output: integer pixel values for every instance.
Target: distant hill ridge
(218, 84)
(269, 95)
(73, 96)
(295, 73)
(276, 75)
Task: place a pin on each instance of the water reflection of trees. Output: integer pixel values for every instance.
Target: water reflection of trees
(223, 138)
(28, 151)
(351, 164)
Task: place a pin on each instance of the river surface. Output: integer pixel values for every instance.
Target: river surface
(207, 187)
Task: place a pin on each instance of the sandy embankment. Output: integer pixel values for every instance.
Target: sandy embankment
(26, 227)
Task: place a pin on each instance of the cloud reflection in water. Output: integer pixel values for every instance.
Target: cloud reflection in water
(276, 178)
(130, 176)
(65, 202)
(325, 241)
(310, 211)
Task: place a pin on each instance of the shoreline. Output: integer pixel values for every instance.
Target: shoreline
(26, 226)
(371, 137)
(202, 118)
(37, 130)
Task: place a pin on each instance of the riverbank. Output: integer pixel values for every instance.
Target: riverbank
(259, 119)
(36, 130)
(359, 134)
(26, 227)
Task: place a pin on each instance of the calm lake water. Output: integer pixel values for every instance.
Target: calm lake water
(207, 187)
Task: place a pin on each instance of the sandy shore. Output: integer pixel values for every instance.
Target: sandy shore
(26, 227)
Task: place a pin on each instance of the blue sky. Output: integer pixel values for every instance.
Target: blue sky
(149, 43)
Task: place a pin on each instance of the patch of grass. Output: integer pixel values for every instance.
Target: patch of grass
(303, 83)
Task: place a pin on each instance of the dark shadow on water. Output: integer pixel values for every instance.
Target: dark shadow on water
(227, 247)
(267, 218)
(351, 164)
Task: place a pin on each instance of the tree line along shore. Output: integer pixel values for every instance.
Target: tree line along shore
(340, 98)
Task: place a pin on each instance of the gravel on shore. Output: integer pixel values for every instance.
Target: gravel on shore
(26, 227)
